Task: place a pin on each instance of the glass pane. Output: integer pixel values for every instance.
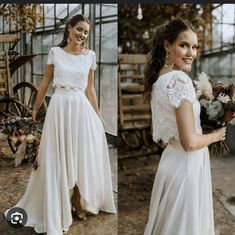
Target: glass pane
(233, 67)
(1, 24)
(214, 67)
(6, 26)
(37, 44)
(75, 9)
(49, 14)
(109, 43)
(228, 13)
(227, 33)
(216, 35)
(97, 40)
(206, 65)
(47, 42)
(97, 10)
(87, 10)
(57, 38)
(108, 98)
(37, 68)
(61, 11)
(109, 9)
(216, 13)
(225, 66)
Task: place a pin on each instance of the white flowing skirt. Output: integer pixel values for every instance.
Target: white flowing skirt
(73, 151)
(181, 201)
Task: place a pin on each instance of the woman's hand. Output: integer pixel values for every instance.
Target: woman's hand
(219, 134)
(34, 114)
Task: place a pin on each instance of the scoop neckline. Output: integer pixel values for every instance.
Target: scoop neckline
(169, 72)
(173, 71)
(84, 53)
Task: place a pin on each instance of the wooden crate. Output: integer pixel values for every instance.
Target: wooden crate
(6, 89)
(133, 112)
(6, 85)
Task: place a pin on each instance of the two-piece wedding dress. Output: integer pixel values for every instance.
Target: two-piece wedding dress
(73, 151)
(181, 200)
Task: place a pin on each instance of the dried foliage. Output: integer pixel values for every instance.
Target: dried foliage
(134, 35)
(23, 16)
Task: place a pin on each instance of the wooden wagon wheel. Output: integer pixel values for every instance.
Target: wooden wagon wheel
(148, 140)
(132, 138)
(25, 94)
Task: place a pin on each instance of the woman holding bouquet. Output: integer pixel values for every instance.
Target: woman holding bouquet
(181, 200)
(73, 161)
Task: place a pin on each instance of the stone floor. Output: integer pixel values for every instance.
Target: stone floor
(13, 182)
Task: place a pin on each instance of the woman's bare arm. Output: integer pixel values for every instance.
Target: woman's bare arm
(189, 138)
(43, 86)
(91, 93)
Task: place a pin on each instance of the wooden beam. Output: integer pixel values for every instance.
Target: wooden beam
(9, 38)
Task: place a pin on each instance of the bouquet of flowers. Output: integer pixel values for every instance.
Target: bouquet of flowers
(217, 108)
(24, 137)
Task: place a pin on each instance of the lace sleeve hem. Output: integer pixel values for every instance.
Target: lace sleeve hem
(94, 65)
(180, 88)
(50, 59)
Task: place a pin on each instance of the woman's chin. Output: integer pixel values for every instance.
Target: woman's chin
(80, 42)
(187, 68)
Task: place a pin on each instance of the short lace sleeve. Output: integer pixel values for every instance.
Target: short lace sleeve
(180, 88)
(94, 65)
(50, 58)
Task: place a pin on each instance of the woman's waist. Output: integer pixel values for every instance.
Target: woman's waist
(76, 84)
(68, 90)
(175, 143)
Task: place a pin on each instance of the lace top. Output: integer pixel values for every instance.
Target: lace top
(71, 71)
(167, 94)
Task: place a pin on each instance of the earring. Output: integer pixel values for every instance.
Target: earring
(68, 40)
(168, 62)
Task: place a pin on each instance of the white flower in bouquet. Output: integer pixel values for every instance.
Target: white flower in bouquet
(204, 86)
(223, 98)
(214, 110)
(30, 138)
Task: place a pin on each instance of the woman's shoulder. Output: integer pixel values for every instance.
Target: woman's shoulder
(91, 52)
(172, 77)
(53, 49)
(179, 77)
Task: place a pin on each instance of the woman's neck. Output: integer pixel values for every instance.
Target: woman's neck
(75, 48)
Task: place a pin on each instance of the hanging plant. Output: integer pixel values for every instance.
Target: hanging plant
(23, 16)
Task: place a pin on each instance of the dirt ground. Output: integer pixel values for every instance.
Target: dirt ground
(135, 181)
(13, 182)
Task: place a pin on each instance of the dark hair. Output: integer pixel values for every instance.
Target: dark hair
(157, 54)
(72, 22)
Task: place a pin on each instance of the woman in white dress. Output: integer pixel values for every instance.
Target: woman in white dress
(181, 201)
(73, 160)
